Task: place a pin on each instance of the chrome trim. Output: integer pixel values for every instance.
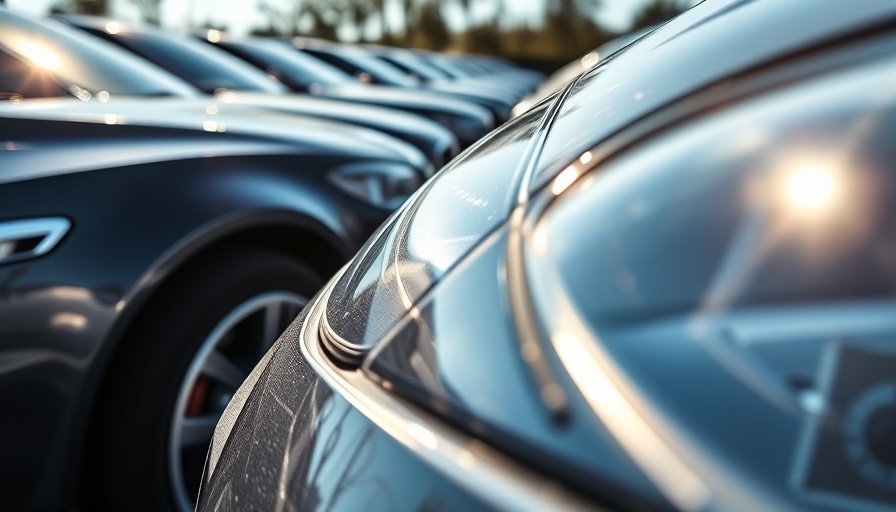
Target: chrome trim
(50, 229)
(337, 347)
(478, 468)
(532, 347)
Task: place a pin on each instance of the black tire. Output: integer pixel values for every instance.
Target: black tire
(134, 436)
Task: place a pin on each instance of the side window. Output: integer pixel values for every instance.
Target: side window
(335, 61)
(29, 81)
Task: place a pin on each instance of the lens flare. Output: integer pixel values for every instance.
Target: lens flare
(811, 188)
(40, 55)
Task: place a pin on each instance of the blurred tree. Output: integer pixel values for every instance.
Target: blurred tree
(150, 10)
(94, 7)
(211, 25)
(61, 7)
(657, 11)
(428, 28)
(320, 18)
(570, 29)
(283, 19)
(483, 39)
(323, 24)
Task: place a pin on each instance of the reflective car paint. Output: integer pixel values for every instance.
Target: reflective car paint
(147, 185)
(303, 73)
(408, 370)
(237, 82)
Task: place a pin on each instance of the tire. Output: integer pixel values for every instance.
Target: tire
(189, 351)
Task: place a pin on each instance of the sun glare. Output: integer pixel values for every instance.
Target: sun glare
(40, 55)
(811, 188)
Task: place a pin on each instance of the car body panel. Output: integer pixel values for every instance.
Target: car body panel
(145, 190)
(677, 65)
(237, 82)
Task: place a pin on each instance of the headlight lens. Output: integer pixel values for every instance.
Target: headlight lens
(381, 184)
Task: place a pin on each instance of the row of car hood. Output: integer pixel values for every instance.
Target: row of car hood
(198, 119)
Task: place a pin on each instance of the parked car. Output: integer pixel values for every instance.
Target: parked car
(236, 82)
(359, 62)
(305, 74)
(670, 288)
(118, 211)
(432, 70)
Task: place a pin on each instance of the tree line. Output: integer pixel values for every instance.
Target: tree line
(567, 28)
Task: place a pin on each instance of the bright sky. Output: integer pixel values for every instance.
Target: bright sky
(240, 16)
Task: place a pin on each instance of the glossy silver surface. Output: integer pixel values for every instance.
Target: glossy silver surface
(210, 363)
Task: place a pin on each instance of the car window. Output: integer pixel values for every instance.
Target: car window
(78, 59)
(357, 62)
(204, 66)
(301, 70)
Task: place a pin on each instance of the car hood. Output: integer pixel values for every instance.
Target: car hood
(475, 88)
(407, 98)
(156, 129)
(397, 123)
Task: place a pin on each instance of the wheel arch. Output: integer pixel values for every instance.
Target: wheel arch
(290, 233)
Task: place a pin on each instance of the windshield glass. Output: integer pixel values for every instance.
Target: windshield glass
(299, 68)
(741, 274)
(78, 59)
(202, 65)
(382, 72)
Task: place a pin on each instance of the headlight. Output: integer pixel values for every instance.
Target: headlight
(381, 184)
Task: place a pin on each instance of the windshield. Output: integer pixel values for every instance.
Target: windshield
(78, 59)
(202, 65)
(381, 72)
(741, 272)
(298, 68)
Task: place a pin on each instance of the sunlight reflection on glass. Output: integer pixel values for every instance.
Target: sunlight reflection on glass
(213, 36)
(113, 27)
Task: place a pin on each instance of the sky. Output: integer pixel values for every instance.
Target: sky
(240, 16)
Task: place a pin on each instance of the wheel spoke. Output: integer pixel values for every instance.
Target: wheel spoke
(218, 367)
(197, 429)
(273, 321)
